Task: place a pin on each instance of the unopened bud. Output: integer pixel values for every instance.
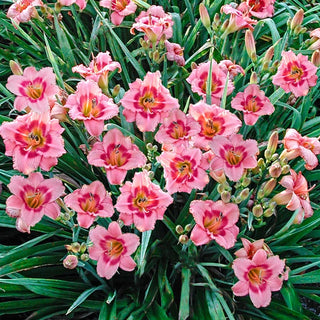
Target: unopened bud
(260, 193)
(220, 188)
(204, 16)
(225, 196)
(275, 170)
(151, 174)
(274, 157)
(257, 211)
(144, 44)
(269, 55)
(193, 66)
(68, 247)
(149, 146)
(267, 154)
(269, 186)
(70, 262)
(183, 239)
(238, 200)
(297, 19)
(84, 257)
(261, 163)
(272, 204)
(75, 247)
(15, 68)
(246, 181)
(83, 247)
(116, 90)
(269, 212)
(315, 58)
(225, 25)
(253, 78)
(155, 148)
(156, 55)
(179, 229)
(273, 142)
(218, 176)
(188, 227)
(244, 194)
(216, 19)
(285, 169)
(250, 45)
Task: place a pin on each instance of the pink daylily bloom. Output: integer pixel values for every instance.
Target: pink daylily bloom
(233, 155)
(33, 140)
(32, 198)
(305, 147)
(258, 277)
(175, 53)
(155, 23)
(177, 129)
(23, 10)
(253, 103)
(119, 8)
(81, 3)
(148, 102)
(295, 74)
(296, 195)
(99, 68)
(142, 202)
(90, 202)
(198, 80)
(184, 170)
(33, 89)
(258, 8)
(117, 154)
(214, 221)
(89, 104)
(233, 69)
(250, 248)
(214, 121)
(112, 249)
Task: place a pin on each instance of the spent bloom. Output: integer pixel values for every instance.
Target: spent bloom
(175, 53)
(119, 8)
(258, 8)
(214, 221)
(91, 106)
(295, 74)
(117, 154)
(142, 202)
(199, 77)
(33, 89)
(33, 140)
(177, 129)
(70, 261)
(90, 202)
(253, 103)
(258, 277)
(213, 121)
(184, 170)
(296, 195)
(305, 147)
(233, 155)
(233, 69)
(148, 102)
(32, 198)
(112, 249)
(315, 39)
(81, 3)
(155, 24)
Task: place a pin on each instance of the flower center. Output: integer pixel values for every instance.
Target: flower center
(178, 131)
(147, 102)
(252, 105)
(233, 157)
(256, 5)
(296, 73)
(90, 204)
(34, 140)
(214, 86)
(141, 201)
(114, 248)
(184, 168)
(119, 5)
(116, 157)
(90, 107)
(211, 128)
(34, 91)
(307, 145)
(22, 5)
(34, 200)
(255, 275)
(213, 223)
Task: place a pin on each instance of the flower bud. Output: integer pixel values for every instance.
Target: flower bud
(257, 211)
(218, 176)
(315, 58)
(68, 247)
(84, 257)
(151, 174)
(268, 56)
(70, 262)
(274, 157)
(285, 169)
(225, 25)
(156, 55)
(244, 194)
(273, 142)
(260, 193)
(149, 146)
(188, 227)
(269, 186)
(155, 148)
(297, 19)
(75, 247)
(250, 45)
(261, 163)
(225, 196)
(83, 247)
(269, 212)
(253, 78)
(246, 181)
(183, 239)
(216, 19)
(204, 16)
(238, 200)
(275, 170)
(179, 229)
(116, 90)
(220, 188)
(193, 66)
(15, 68)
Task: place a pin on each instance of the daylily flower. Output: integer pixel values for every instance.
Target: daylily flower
(305, 147)
(198, 80)
(295, 74)
(258, 8)
(70, 261)
(214, 221)
(296, 195)
(142, 202)
(233, 155)
(89, 104)
(155, 23)
(148, 102)
(32, 198)
(253, 103)
(175, 53)
(315, 38)
(112, 249)
(90, 202)
(24, 10)
(177, 129)
(33, 89)
(233, 69)
(250, 248)
(258, 277)
(184, 170)
(214, 121)
(33, 140)
(117, 154)
(119, 8)
(81, 3)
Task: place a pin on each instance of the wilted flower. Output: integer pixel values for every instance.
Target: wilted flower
(23, 10)
(112, 249)
(70, 261)
(175, 53)
(142, 202)
(32, 198)
(233, 69)
(315, 38)
(214, 221)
